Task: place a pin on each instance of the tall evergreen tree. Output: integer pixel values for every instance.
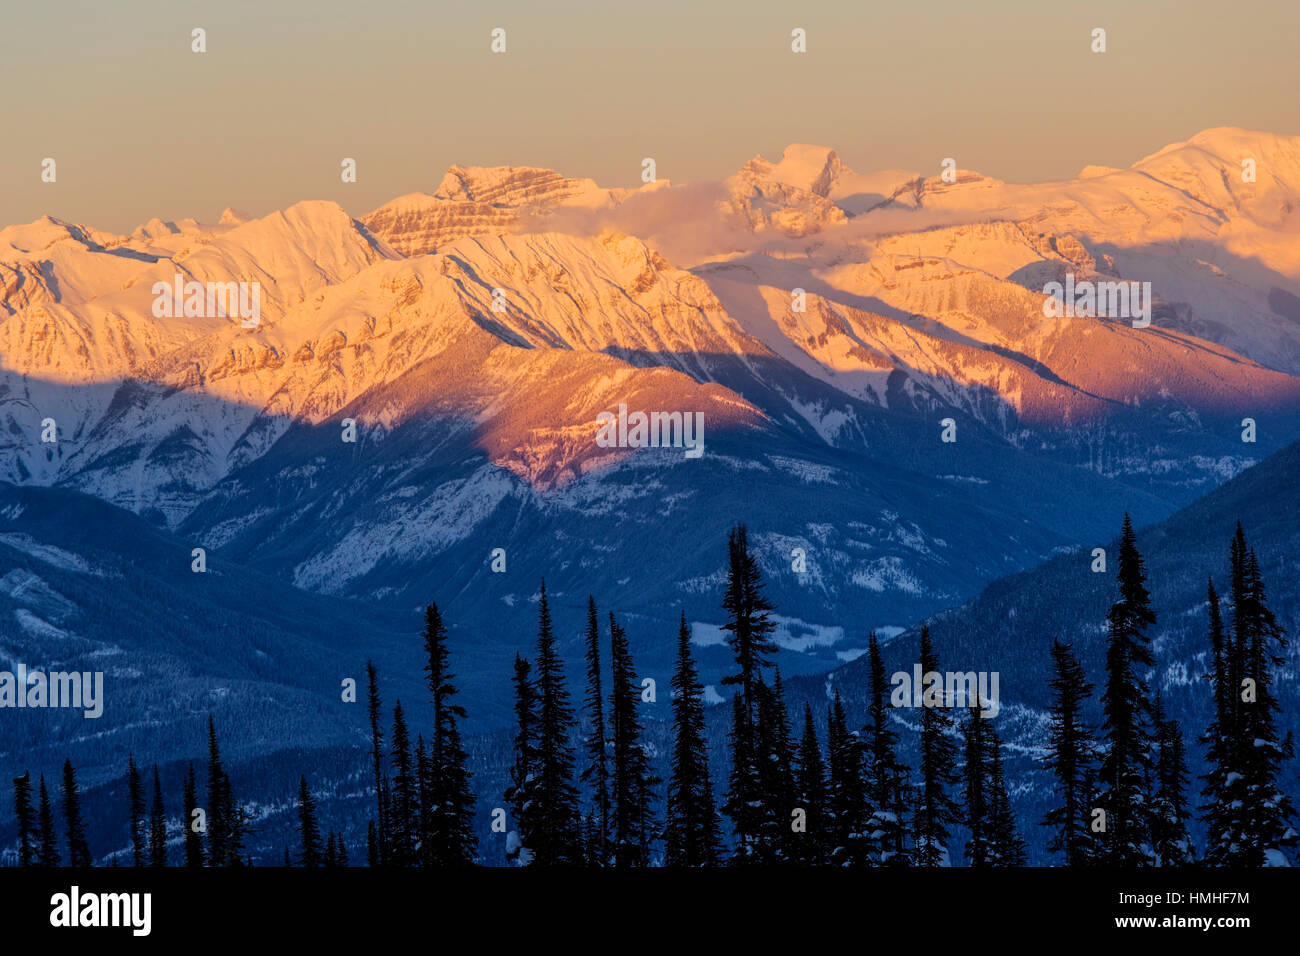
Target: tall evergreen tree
(774, 757)
(25, 816)
(1260, 822)
(1169, 807)
(220, 822)
(374, 709)
(596, 773)
(556, 838)
(1126, 705)
(811, 782)
(1006, 848)
(1070, 758)
(693, 834)
(331, 857)
(850, 813)
(78, 847)
(750, 627)
(404, 816)
(886, 777)
(936, 810)
(631, 779)
(157, 825)
(523, 780)
(135, 799)
(451, 823)
(47, 841)
(372, 844)
(308, 827)
(978, 787)
(1221, 811)
(193, 841)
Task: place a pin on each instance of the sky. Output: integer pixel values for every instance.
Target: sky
(140, 126)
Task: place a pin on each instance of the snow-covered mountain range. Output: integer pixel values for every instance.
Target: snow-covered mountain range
(826, 323)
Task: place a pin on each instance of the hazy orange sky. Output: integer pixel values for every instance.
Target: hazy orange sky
(140, 126)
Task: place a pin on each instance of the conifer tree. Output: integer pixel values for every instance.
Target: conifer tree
(1220, 809)
(520, 793)
(978, 788)
(846, 798)
(811, 781)
(309, 828)
(886, 776)
(776, 781)
(1255, 826)
(1169, 806)
(78, 847)
(693, 834)
(1126, 706)
(135, 799)
(47, 841)
(596, 773)
(631, 779)
(331, 859)
(750, 628)
(404, 820)
(157, 825)
(556, 836)
(374, 708)
(193, 841)
(1070, 759)
(222, 825)
(343, 853)
(450, 825)
(936, 810)
(1006, 848)
(25, 816)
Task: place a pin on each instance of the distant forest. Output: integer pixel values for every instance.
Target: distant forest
(1122, 797)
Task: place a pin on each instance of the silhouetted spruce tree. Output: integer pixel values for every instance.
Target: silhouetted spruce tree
(556, 836)
(692, 834)
(222, 823)
(1126, 705)
(193, 841)
(1221, 809)
(135, 800)
(287, 862)
(596, 773)
(976, 773)
(936, 810)
(775, 759)
(374, 708)
(47, 841)
(850, 813)
(1267, 813)
(1006, 848)
(404, 822)
(25, 816)
(811, 781)
(343, 852)
(450, 827)
(309, 828)
(1169, 807)
(631, 779)
(521, 792)
(750, 625)
(1070, 758)
(157, 825)
(331, 859)
(887, 785)
(78, 847)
